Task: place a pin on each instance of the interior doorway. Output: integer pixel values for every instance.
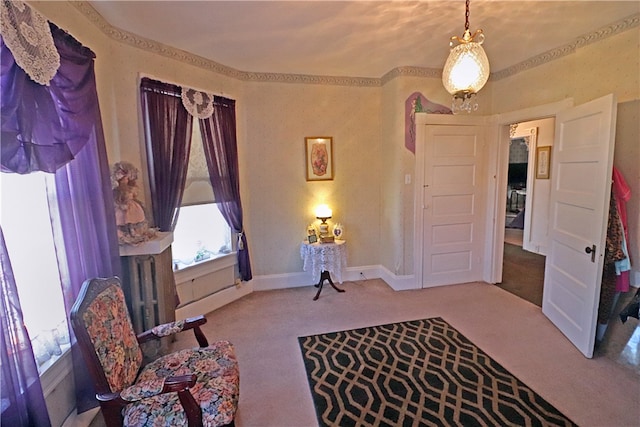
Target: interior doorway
(522, 270)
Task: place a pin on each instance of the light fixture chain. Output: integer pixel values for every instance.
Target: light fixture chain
(466, 16)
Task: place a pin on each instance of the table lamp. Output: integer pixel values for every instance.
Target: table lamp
(323, 213)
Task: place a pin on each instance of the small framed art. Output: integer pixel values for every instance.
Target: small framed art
(319, 158)
(543, 162)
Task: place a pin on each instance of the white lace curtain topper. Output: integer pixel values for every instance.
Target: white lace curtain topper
(28, 36)
(198, 104)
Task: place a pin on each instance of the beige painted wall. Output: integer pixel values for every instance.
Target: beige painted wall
(368, 194)
(278, 118)
(611, 65)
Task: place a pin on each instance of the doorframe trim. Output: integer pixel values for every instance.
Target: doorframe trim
(498, 198)
(422, 121)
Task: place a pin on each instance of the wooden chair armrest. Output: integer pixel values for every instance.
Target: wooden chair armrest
(180, 384)
(155, 387)
(172, 328)
(194, 323)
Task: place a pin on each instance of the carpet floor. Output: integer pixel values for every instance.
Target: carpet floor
(274, 390)
(421, 372)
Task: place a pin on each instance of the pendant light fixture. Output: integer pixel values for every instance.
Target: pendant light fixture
(467, 68)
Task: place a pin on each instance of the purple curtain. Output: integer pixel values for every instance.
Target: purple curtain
(22, 402)
(85, 238)
(44, 127)
(39, 122)
(82, 209)
(168, 134)
(221, 152)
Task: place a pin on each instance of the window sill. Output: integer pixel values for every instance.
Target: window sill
(54, 370)
(53, 361)
(199, 269)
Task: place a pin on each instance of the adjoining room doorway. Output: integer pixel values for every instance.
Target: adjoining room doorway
(522, 271)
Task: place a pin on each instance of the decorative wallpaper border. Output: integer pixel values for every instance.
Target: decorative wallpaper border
(584, 40)
(435, 73)
(180, 55)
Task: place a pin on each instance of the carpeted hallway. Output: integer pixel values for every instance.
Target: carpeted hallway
(274, 391)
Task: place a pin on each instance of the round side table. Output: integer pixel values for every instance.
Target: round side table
(323, 260)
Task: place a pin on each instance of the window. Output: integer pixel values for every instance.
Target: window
(27, 228)
(201, 232)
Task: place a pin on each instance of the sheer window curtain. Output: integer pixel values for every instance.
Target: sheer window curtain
(168, 135)
(64, 138)
(22, 401)
(221, 152)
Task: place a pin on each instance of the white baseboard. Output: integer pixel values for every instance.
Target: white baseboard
(270, 282)
(214, 301)
(363, 272)
(290, 280)
(351, 274)
(399, 283)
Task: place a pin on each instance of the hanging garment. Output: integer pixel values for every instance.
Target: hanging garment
(623, 194)
(623, 269)
(613, 252)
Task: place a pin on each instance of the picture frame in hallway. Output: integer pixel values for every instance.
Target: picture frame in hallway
(319, 158)
(543, 162)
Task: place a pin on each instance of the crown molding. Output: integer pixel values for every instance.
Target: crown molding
(310, 79)
(435, 73)
(139, 42)
(600, 34)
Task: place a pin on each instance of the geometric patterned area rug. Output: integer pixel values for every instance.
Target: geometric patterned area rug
(415, 373)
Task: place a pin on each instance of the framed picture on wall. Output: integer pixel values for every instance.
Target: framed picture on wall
(543, 162)
(319, 158)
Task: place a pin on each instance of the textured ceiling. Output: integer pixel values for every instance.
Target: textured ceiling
(358, 38)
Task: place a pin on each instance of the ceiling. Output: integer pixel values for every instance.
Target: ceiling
(358, 38)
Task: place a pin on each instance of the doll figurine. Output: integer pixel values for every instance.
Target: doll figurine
(130, 215)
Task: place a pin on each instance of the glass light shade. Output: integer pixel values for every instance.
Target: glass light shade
(466, 70)
(323, 211)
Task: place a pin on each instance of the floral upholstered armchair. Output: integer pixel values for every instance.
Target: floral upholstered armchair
(188, 387)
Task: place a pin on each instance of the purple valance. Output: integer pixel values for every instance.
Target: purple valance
(44, 127)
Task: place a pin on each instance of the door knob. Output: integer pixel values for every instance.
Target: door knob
(591, 250)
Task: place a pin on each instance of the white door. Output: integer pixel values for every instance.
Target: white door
(452, 204)
(582, 162)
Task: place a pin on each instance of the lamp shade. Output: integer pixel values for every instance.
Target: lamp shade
(323, 211)
(466, 70)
